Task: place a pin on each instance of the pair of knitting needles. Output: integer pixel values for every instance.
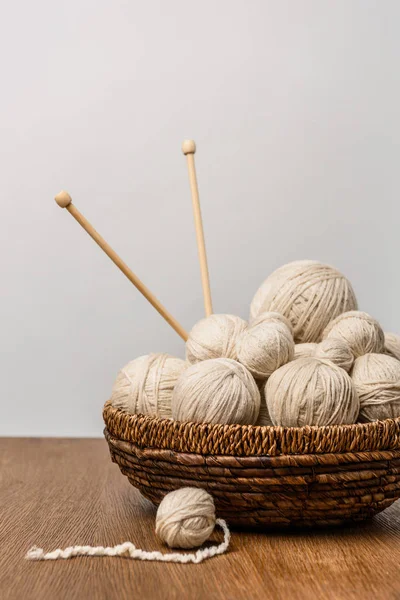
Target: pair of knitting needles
(64, 200)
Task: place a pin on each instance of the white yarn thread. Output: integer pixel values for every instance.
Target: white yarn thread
(129, 550)
(359, 330)
(337, 351)
(311, 391)
(214, 337)
(309, 294)
(145, 385)
(392, 345)
(185, 518)
(219, 390)
(265, 346)
(376, 378)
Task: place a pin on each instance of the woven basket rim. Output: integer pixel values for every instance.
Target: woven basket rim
(250, 440)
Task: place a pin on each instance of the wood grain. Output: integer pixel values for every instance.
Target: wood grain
(55, 493)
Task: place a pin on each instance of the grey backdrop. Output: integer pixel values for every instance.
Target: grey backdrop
(294, 106)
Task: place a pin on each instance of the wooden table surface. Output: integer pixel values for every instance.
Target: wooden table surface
(61, 492)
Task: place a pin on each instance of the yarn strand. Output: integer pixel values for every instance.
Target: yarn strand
(129, 550)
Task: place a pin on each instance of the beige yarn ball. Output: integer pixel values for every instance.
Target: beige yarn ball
(311, 391)
(376, 378)
(392, 345)
(359, 330)
(280, 274)
(304, 350)
(272, 317)
(214, 337)
(218, 390)
(309, 294)
(145, 385)
(185, 518)
(264, 347)
(337, 351)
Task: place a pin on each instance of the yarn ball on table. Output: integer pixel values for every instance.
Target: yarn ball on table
(304, 350)
(311, 391)
(264, 347)
(218, 390)
(392, 345)
(337, 351)
(185, 518)
(359, 330)
(376, 378)
(309, 294)
(145, 385)
(214, 337)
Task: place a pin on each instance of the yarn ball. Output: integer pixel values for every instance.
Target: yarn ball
(304, 350)
(337, 351)
(392, 345)
(311, 391)
(218, 390)
(359, 330)
(214, 337)
(145, 385)
(264, 347)
(376, 378)
(272, 317)
(280, 274)
(309, 294)
(185, 518)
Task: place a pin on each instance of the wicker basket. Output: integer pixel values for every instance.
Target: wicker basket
(263, 476)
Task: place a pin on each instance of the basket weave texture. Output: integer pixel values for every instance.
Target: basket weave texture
(263, 476)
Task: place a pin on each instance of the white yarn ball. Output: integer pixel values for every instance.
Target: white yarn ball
(214, 337)
(311, 391)
(309, 294)
(218, 390)
(264, 347)
(280, 274)
(359, 330)
(392, 345)
(272, 317)
(145, 385)
(376, 378)
(304, 350)
(185, 518)
(337, 351)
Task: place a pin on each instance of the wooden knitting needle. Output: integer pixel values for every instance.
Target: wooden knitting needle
(64, 200)
(188, 149)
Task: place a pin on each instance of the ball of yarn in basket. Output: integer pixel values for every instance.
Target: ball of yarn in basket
(376, 378)
(309, 294)
(311, 391)
(218, 390)
(214, 337)
(264, 347)
(272, 317)
(337, 351)
(185, 518)
(304, 350)
(392, 345)
(257, 304)
(359, 330)
(145, 384)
